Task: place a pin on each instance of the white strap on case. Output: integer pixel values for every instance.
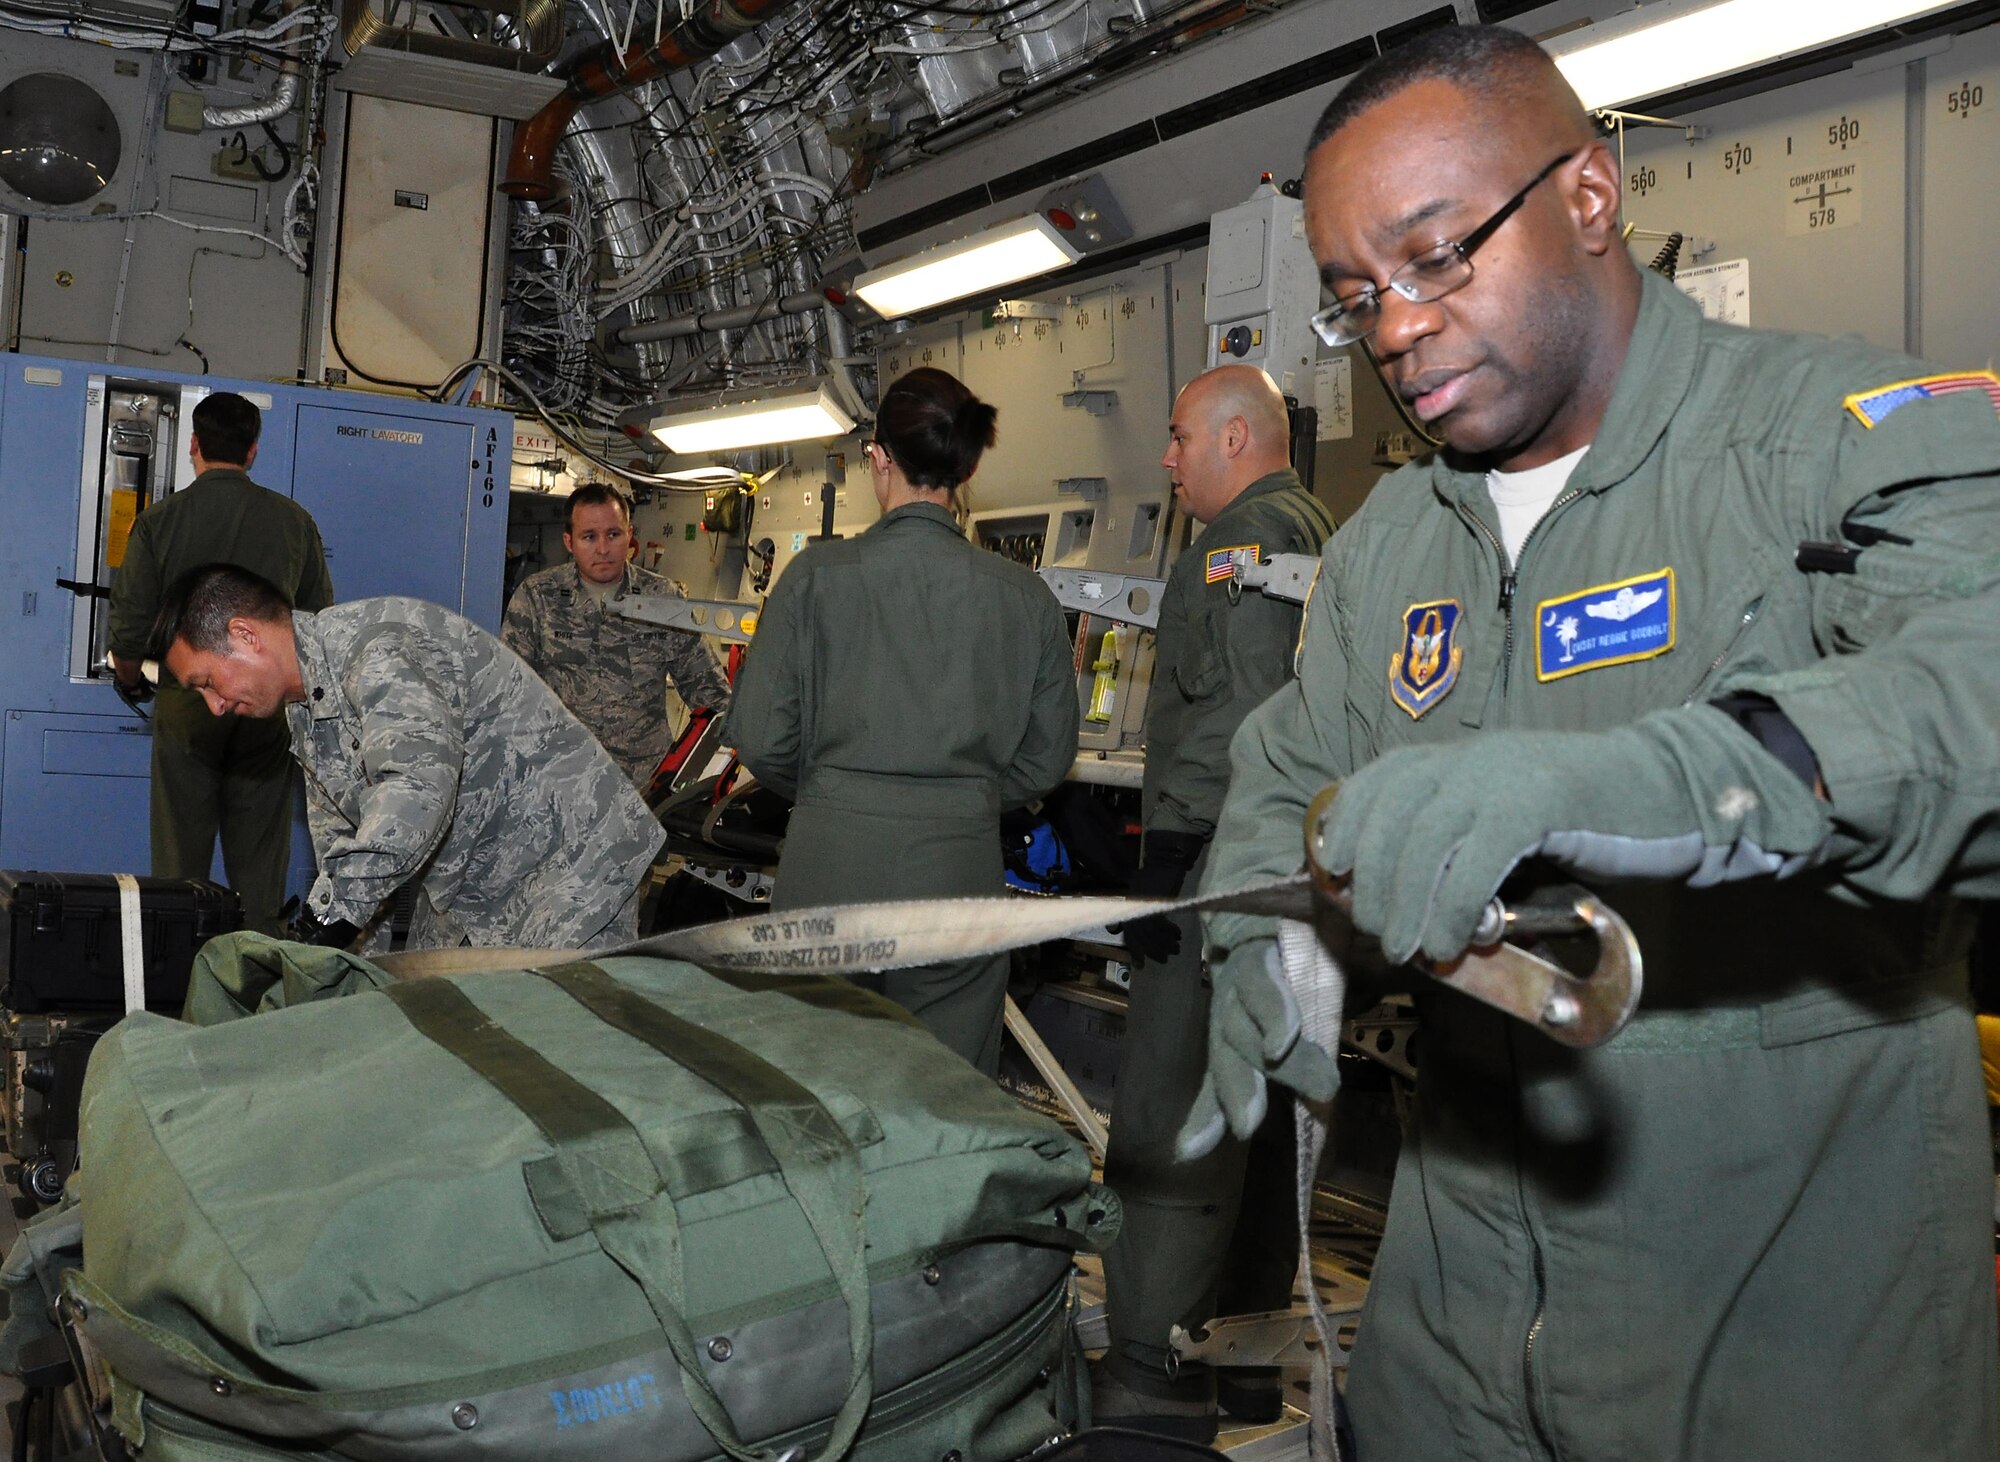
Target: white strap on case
(134, 942)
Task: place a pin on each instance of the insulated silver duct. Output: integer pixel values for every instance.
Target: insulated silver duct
(280, 101)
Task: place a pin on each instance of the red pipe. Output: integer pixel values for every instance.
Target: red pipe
(531, 164)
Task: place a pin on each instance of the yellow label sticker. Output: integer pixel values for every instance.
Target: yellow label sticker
(118, 525)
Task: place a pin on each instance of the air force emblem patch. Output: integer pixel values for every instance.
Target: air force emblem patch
(1611, 624)
(1423, 671)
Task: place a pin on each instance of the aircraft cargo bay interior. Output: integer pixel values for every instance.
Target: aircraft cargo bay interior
(969, 730)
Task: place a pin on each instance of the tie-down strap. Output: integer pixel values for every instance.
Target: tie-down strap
(851, 938)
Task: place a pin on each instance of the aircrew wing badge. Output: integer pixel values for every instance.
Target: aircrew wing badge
(1424, 669)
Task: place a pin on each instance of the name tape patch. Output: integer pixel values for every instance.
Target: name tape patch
(1609, 624)
(1872, 406)
(1425, 666)
(1221, 563)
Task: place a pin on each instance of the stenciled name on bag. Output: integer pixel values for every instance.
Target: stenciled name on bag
(582, 1405)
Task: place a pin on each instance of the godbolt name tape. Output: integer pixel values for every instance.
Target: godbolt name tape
(1609, 624)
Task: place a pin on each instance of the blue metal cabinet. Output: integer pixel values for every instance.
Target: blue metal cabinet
(77, 782)
(410, 497)
(390, 489)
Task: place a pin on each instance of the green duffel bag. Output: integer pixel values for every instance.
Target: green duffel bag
(614, 1210)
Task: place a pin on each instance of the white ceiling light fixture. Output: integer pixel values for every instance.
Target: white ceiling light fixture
(1001, 255)
(804, 414)
(1679, 43)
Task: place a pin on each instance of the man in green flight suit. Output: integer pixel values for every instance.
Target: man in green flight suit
(213, 774)
(1220, 652)
(1694, 614)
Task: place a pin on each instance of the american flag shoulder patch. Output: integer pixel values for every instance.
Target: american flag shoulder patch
(1873, 406)
(1220, 564)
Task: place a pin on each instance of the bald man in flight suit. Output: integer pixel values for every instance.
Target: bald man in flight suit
(1219, 652)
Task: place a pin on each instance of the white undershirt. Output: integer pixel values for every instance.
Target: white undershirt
(1522, 497)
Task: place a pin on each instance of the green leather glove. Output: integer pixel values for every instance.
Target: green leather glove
(1427, 834)
(1253, 1039)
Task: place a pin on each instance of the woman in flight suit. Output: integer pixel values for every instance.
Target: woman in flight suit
(905, 688)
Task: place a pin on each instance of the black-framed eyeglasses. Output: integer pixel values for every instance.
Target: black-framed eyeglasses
(1431, 275)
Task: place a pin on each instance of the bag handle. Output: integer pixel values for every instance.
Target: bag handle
(817, 1161)
(622, 1193)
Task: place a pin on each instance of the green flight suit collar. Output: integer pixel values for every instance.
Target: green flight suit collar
(1223, 524)
(926, 512)
(322, 686)
(1270, 482)
(220, 474)
(1659, 369)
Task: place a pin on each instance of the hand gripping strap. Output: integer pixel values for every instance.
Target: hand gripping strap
(622, 1194)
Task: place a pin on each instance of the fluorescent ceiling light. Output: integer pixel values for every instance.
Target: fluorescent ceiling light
(1000, 255)
(1667, 46)
(790, 416)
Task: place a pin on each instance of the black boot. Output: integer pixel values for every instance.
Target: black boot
(1251, 1393)
(1144, 1400)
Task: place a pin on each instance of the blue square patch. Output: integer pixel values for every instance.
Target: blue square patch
(1609, 624)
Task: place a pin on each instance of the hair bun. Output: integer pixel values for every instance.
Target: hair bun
(934, 427)
(973, 425)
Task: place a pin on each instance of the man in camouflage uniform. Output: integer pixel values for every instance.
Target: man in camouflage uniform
(609, 670)
(432, 755)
